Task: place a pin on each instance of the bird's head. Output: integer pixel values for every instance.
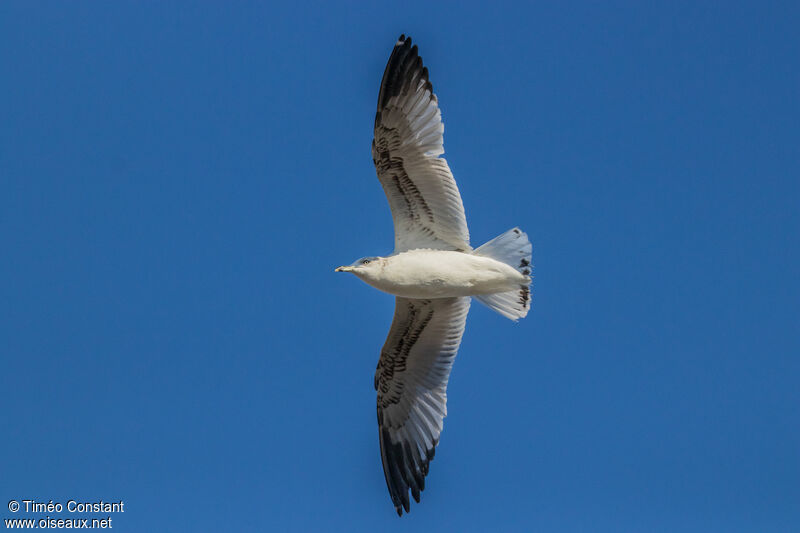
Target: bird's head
(364, 266)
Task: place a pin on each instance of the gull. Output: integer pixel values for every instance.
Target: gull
(433, 273)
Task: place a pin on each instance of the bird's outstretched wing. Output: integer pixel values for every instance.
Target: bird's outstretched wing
(423, 196)
(411, 380)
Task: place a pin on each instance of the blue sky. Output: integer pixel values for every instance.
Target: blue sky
(177, 183)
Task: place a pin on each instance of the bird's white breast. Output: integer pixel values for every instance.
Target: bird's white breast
(442, 274)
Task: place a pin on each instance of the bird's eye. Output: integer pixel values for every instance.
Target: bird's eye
(365, 261)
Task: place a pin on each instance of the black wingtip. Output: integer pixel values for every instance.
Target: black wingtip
(403, 62)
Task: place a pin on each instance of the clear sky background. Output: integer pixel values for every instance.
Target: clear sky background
(178, 182)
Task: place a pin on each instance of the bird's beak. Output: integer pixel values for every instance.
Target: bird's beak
(344, 269)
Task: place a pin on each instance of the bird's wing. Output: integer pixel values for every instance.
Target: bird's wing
(411, 380)
(423, 196)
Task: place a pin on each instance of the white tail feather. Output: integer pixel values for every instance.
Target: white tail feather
(514, 249)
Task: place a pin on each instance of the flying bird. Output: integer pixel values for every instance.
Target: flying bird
(433, 272)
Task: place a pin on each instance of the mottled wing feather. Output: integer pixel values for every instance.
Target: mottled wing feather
(423, 196)
(411, 380)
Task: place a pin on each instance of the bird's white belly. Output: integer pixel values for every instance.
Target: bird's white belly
(444, 274)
